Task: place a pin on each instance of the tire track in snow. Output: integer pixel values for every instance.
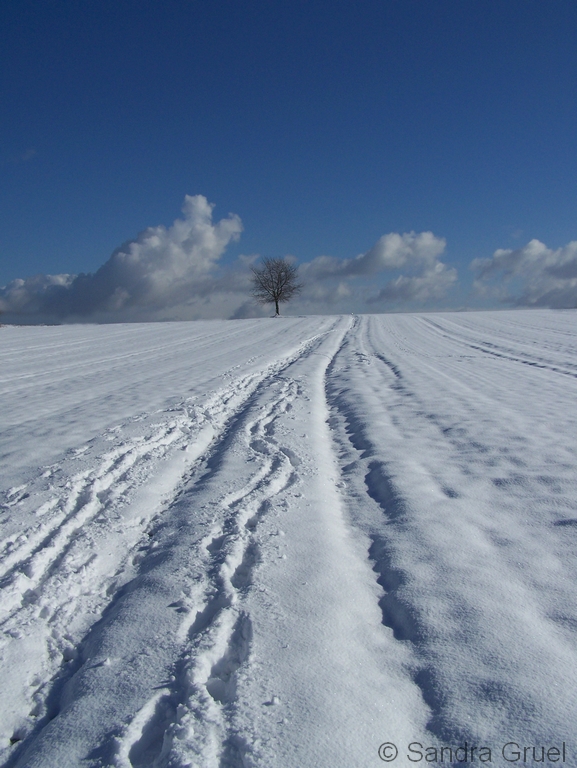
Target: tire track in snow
(403, 614)
(236, 555)
(27, 567)
(218, 639)
(191, 663)
(440, 532)
(27, 560)
(500, 351)
(44, 582)
(359, 458)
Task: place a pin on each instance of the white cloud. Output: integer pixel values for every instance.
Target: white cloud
(161, 268)
(175, 273)
(428, 278)
(433, 283)
(395, 251)
(27, 296)
(532, 276)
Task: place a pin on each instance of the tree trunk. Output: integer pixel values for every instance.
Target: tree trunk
(276, 306)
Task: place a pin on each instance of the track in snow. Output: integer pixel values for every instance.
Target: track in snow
(463, 490)
(217, 633)
(367, 538)
(95, 531)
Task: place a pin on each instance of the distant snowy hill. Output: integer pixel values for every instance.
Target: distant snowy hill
(281, 544)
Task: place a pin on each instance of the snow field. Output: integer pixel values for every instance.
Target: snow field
(278, 543)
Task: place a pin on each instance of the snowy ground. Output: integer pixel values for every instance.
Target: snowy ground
(284, 543)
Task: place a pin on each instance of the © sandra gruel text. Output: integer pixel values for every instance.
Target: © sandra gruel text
(511, 752)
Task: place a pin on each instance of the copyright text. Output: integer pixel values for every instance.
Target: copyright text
(511, 752)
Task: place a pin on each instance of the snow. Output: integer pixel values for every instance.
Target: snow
(285, 543)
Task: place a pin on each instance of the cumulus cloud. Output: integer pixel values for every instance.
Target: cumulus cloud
(161, 268)
(428, 278)
(532, 276)
(175, 273)
(433, 283)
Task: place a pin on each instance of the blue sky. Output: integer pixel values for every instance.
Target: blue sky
(324, 125)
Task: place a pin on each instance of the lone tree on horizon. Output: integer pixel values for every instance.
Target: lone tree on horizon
(275, 281)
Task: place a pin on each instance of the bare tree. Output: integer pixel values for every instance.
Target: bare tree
(275, 281)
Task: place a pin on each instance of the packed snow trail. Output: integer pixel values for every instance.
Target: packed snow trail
(470, 461)
(155, 681)
(326, 534)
